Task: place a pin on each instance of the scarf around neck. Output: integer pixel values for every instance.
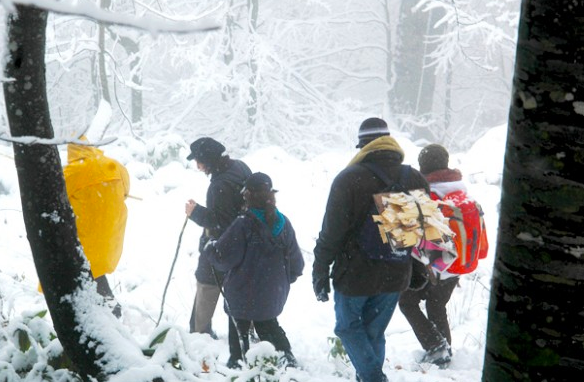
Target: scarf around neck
(445, 181)
(385, 142)
(278, 226)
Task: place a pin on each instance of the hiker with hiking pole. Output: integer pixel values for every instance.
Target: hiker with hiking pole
(224, 202)
(261, 256)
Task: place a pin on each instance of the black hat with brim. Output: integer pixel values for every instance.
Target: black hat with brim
(206, 150)
(258, 181)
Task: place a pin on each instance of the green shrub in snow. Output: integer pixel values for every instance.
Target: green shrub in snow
(30, 351)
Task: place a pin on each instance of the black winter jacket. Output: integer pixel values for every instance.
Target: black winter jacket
(224, 203)
(350, 198)
(259, 266)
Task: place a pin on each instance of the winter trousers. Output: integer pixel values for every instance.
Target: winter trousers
(433, 328)
(360, 324)
(103, 288)
(203, 309)
(269, 330)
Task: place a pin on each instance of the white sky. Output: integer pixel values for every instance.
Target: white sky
(154, 225)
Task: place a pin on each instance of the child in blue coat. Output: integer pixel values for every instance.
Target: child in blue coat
(262, 258)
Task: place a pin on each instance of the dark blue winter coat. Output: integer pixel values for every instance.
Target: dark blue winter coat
(260, 267)
(224, 203)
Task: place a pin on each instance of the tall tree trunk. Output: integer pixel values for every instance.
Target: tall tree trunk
(105, 94)
(136, 94)
(252, 105)
(48, 216)
(103, 80)
(536, 316)
(414, 86)
(229, 53)
(409, 57)
(447, 136)
(132, 48)
(95, 81)
(389, 78)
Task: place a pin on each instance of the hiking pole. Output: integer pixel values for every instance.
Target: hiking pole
(239, 335)
(171, 269)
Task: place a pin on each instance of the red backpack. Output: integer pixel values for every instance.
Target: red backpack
(466, 220)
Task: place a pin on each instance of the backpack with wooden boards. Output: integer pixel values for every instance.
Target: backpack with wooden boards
(368, 236)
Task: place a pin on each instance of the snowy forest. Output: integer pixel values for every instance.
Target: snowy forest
(146, 78)
(281, 70)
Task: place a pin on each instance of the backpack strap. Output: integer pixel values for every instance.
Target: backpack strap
(399, 183)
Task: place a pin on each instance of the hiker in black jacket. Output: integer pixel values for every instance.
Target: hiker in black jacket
(366, 290)
(224, 202)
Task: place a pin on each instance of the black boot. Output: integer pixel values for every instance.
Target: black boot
(234, 363)
(439, 355)
(290, 359)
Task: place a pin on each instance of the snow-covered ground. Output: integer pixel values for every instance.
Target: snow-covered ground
(156, 216)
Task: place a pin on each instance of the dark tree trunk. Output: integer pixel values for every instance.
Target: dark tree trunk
(409, 58)
(48, 216)
(414, 86)
(536, 315)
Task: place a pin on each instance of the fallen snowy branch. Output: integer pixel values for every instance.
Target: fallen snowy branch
(32, 140)
(91, 10)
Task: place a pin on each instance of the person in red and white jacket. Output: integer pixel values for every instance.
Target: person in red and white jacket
(432, 329)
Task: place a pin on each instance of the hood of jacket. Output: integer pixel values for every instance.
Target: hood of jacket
(78, 152)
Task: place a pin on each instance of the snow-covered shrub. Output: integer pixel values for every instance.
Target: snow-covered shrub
(165, 148)
(180, 353)
(338, 355)
(30, 351)
(263, 361)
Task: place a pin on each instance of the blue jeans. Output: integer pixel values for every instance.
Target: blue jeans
(361, 324)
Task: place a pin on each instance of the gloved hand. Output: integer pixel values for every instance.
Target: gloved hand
(209, 247)
(321, 283)
(322, 292)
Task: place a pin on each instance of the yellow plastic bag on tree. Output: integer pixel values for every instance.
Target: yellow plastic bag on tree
(97, 187)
